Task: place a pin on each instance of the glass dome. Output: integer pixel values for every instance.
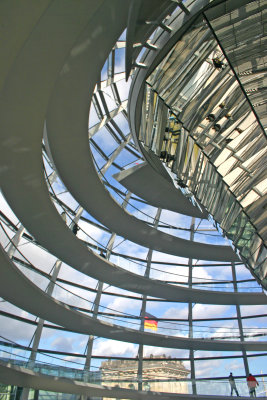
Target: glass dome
(114, 274)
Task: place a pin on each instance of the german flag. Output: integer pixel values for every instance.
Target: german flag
(150, 322)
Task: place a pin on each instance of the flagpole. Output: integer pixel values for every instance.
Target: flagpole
(264, 386)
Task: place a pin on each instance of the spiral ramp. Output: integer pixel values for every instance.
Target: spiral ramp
(82, 224)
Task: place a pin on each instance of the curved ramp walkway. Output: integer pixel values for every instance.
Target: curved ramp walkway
(148, 184)
(24, 291)
(97, 267)
(19, 376)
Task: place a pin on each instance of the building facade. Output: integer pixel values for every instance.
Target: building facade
(158, 376)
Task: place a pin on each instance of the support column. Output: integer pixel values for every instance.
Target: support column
(143, 309)
(190, 312)
(90, 342)
(49, 291)
(15, 241)
(239, 321)
(39, 329)
(37, 335)
(10, 252)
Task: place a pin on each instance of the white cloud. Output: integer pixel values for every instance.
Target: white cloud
(89, 231)
(163, 257)
(202, 273)
(227, 330)
(114, 348)
(16, 331)
(169, 274)
(254, 310)
(72, 275)
(221, 273)
(74, 362)
(208, 368)
(63, 343)
(176, 219)
(199, 311)
(123, 304)
(209, 311)
(176, 312)
(235, 365)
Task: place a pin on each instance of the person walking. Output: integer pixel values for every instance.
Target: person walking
(232, 384)
(252, 383)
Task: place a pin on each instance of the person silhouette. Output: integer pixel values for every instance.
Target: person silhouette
(232, 384)
(252, 383)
